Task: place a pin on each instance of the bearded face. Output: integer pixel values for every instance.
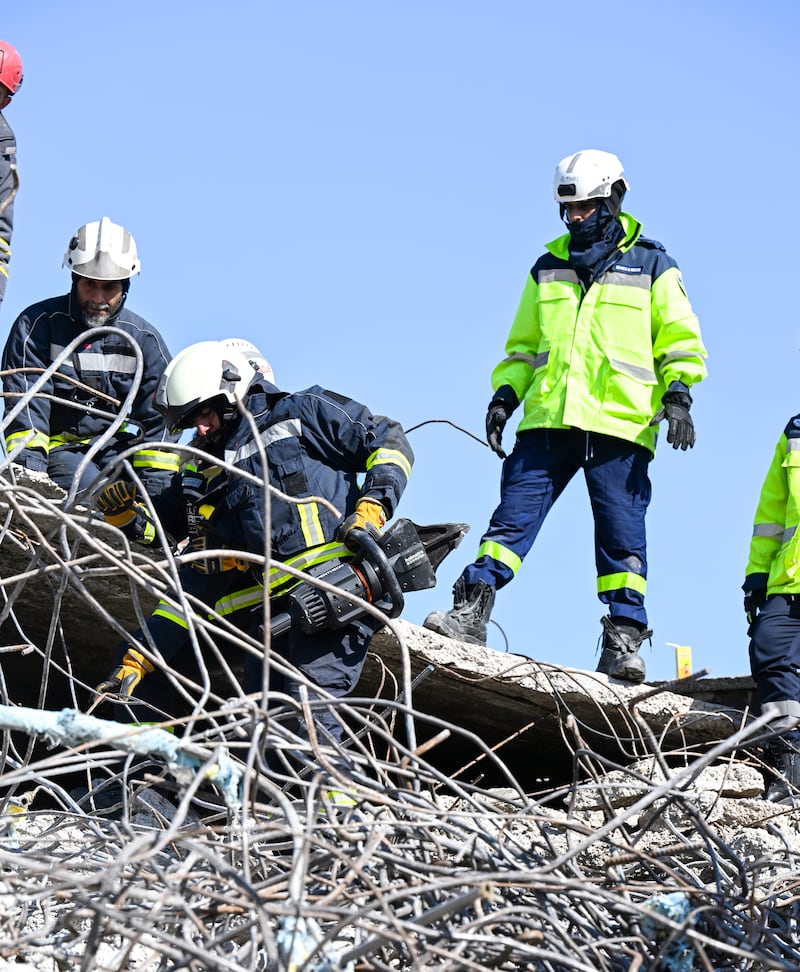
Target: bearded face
(98, 300)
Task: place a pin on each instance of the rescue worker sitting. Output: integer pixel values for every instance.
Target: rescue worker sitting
(317, 443)
(74, 407)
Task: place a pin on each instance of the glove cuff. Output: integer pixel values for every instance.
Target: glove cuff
(505, 396)
(677, 394)
(756, 581)
(121, 519)
(134, 659)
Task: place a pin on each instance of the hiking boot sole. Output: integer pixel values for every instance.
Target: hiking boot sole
(439, 622)
(634, 675)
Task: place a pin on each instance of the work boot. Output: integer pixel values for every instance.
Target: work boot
(620, 657)
(469, 615)
(784, 760)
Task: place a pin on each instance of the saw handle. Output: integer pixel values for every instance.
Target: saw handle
(370, 550)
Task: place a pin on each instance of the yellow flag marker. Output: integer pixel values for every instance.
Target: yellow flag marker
(683, 659)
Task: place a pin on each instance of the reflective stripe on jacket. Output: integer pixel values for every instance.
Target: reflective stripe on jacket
(107, 365)
(250, 596)
(317, 444)
(151, 458)
(600, 359)
(775, 544)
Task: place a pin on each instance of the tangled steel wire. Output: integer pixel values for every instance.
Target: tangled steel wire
(358, 856)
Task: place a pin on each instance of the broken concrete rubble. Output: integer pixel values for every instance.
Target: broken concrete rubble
(609, 796)
(538, 714)
(68, 594)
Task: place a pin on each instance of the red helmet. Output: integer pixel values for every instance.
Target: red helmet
(10, 67)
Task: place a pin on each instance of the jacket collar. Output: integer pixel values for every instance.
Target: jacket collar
(261, 398)
(559, 247)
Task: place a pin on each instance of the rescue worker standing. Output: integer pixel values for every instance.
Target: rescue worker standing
(10, 81)
(316, 443)
(604, 345)
(772, 606)
(60, 422)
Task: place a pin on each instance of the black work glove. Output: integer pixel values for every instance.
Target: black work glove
(753, 602)
(755, 594)
(677, 401)
(500, 408)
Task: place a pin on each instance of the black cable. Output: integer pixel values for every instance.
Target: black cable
(448, 422)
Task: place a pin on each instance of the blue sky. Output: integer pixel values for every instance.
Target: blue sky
(361, 188)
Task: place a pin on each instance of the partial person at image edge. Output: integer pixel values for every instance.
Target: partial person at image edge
(10, 81)
(772, 607)
(603, 347)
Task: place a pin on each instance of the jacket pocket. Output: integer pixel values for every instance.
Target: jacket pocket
(287, 474)
(624, 313)
(629, 386)
(296, 526)
(784, 569)
(791, 468)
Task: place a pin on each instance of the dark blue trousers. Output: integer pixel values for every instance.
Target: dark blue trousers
(331, 659)
(63, 462)
(775, 653)
(534, 476)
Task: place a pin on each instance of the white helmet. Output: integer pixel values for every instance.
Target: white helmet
(102, 251)
(198, 374)
(590, 174)
(253, 355)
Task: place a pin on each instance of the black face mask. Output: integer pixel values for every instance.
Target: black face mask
(593, 239)
(590, 230)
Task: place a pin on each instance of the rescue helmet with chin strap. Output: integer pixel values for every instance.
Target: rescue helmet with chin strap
(590, 174)
(203, 373)
(102, 251)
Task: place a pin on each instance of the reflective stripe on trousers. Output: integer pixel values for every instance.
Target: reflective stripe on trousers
(535, 474)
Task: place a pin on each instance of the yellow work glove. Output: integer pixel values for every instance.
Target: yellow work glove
(116, 502)
(369, 515)
(124, 679)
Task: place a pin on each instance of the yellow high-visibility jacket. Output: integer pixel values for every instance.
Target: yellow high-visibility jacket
(599, 359)
(774, 560)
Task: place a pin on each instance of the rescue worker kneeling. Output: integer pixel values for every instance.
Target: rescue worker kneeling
(316, 444)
